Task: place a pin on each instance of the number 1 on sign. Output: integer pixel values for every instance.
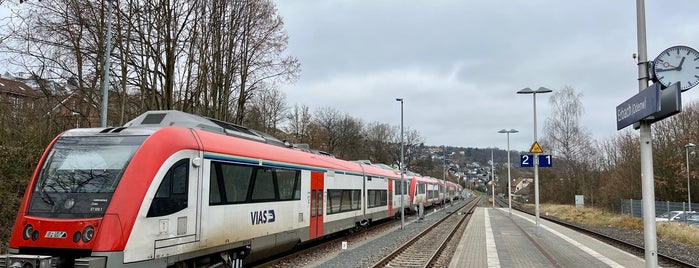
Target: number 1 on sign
(545, 160)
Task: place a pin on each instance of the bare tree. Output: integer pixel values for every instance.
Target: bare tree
(621, 173)
(414, 142)
(59, 40)
(352, 142)
(268, 110)
(263, 40)
(380, 143)
(207, 57)
(669, 153)
(572, 146)
(325, 124)
(299, 120)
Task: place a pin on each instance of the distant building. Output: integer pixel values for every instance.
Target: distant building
(17, 94)
(67, 105)
(77, 108)
(521, 183)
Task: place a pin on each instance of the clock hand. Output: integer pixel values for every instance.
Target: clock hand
(679, 67)
(665, 70)
(667, 64)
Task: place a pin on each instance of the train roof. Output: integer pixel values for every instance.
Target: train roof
(164, 118)
(151, 121)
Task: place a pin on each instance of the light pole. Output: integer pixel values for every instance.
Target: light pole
(402, 169)
(541, 90)
(492, 175)
(107, 53)
(689, 192)
(509, 187)
(444, 175)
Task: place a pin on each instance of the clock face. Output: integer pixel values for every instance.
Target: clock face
(678, 64)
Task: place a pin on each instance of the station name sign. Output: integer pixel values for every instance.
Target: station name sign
(644, 104)
(651, 104)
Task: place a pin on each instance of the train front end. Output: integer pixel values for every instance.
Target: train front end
(65, 205)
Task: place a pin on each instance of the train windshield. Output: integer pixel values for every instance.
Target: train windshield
(80, 175)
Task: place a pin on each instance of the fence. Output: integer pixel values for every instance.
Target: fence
(635, 207)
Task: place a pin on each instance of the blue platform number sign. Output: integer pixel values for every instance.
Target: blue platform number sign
(545, 160)
(526, 160)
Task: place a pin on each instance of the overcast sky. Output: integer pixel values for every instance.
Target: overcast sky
(459, 64)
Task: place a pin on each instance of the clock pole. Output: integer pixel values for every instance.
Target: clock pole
(648, 190)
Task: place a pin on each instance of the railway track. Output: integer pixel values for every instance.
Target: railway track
(422, 250)
(663, 260)
(290, 258)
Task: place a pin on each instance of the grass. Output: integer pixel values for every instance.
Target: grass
(683, 233)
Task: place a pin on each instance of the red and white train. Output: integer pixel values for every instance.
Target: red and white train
(171, 189)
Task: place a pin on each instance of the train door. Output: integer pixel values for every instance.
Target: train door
(390, 197)
(316, 223)
(172, 213)
(175, 205)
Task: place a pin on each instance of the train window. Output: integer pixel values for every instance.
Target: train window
(289, 183)
(313, 203)
(377, 198)
(236, 180)
(179, 179)
(319, 198)
(171, 196)
(432, 191)
(397, 186)
(421, 188)
(356, 199)
(346, 202)
(343, 200)
(263, 185)
(214, 189)
(163, 189)
(234, 184)
(333, 204)
(383, 198)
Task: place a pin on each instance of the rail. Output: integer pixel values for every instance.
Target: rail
(423, 250)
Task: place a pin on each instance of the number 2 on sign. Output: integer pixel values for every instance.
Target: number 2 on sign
(526, 160)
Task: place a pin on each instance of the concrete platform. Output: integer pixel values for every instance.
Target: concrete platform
(494, 239)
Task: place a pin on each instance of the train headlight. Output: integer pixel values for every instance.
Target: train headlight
(76, 237)
(88, 233)
(27, 233)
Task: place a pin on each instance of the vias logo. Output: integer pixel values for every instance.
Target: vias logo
(262, 217)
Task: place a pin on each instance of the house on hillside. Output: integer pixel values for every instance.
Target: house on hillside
(77, 108)
(67, 106)
(520, 189)
(17, 95)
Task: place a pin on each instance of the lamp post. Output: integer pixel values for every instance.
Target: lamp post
(105, 78)
(689, 192)
(444, 175)
(402, 169)
(492, 176)
(541, 90)
(509, 187)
